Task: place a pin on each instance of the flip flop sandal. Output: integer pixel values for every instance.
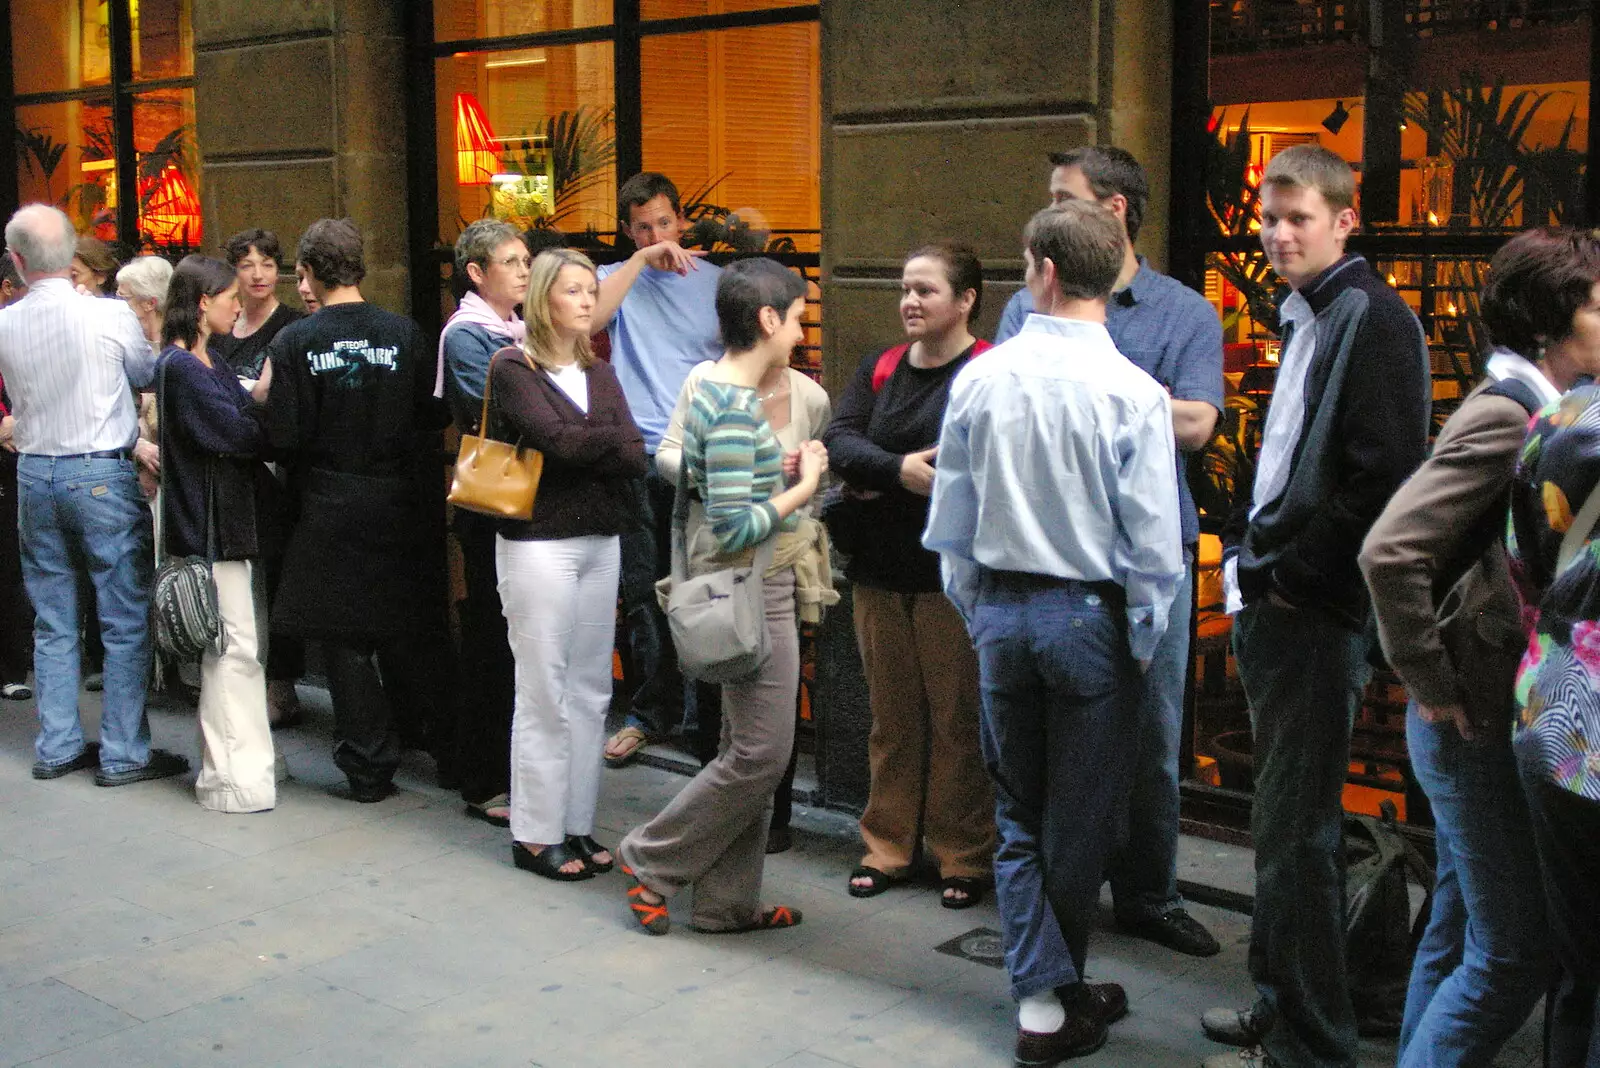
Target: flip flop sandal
(881, 881)
(485, 810)
(652, 917)
(975, 889)
(549, 861)
(776, 918)
(586, 848)
(638, 741)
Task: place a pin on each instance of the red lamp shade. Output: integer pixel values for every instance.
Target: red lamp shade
(171, 211)
(477, 158)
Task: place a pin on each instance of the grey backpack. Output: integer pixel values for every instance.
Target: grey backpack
(718, 620)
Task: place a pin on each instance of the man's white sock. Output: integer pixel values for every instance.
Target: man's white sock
(1041, 1013)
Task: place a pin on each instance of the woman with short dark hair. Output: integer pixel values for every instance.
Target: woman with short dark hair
(1555, 559)
(713, 835)
(928, 784)
(213, 433)
(256, 258)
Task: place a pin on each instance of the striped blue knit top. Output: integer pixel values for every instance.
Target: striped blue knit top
(736, 464)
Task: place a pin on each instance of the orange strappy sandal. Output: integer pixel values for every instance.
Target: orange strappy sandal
(775, 918)
(653, 918)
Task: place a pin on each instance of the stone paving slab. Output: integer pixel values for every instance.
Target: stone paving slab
(138, 929)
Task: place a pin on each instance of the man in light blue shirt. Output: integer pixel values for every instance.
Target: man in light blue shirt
(659, 306)
(1063, 448)
(1173, 333)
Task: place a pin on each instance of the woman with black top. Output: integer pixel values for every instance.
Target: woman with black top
(929, 786)
(213, 434)
(255, 256)
(558, 570)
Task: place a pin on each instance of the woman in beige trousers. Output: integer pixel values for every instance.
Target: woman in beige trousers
(712, 836)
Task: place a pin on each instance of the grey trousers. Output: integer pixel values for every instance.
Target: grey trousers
(713, 835)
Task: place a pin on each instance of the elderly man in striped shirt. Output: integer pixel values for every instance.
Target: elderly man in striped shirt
(68, 362)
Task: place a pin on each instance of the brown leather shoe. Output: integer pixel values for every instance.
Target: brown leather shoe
(1082, 1034)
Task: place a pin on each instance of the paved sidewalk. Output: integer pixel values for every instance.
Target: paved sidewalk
(137, 929)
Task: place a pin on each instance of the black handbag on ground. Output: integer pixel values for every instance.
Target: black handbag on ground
(185, 621)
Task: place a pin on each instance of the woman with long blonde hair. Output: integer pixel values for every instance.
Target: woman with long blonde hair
(558, 570)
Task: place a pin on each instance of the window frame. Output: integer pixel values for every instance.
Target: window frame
(624, 33)
(122, 90)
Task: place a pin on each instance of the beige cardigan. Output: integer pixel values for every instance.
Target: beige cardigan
(806, 548)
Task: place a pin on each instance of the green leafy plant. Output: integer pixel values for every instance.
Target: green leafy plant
(42, 153)
(1234, 199)
(576, 151)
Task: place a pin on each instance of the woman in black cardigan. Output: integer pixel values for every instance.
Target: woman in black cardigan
(558, 570)
(213, 434)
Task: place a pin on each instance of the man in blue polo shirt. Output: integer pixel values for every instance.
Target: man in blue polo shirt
(659, 306)
(1172, 333)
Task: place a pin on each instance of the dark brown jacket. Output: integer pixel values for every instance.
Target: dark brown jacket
(1453, 640)
(590, 460)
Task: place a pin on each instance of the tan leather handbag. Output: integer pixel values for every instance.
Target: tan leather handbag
(495, 477)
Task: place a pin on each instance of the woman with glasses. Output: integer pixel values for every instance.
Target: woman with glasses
(492, 263)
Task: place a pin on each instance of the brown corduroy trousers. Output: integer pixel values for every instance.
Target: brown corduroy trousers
(927, 770)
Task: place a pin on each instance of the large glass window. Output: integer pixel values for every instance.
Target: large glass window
(734, 117)
(88, 132)
(1475, 126)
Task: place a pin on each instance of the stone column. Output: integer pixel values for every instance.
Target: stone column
(936, 121)
(300, 110)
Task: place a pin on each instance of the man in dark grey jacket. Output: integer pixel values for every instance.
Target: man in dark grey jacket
(1348, 424)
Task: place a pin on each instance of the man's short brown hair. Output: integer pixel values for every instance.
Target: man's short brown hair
(1314, 167)
(1084, 241)
(331, 250)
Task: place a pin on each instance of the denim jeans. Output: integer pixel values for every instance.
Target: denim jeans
(1303, 674)
(1058, 686)
(651, 666)
(1484, 961)
(1566, 832)
(77, 515)
(1144, 870)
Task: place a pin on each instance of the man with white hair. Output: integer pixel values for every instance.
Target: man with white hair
(68, 360)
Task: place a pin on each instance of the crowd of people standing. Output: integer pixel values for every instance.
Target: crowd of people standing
(1014, 520)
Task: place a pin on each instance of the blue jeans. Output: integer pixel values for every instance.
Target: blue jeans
(1144, 870)
(1484, 961)
(1058, 687)
(1303, 674)
(77, 515)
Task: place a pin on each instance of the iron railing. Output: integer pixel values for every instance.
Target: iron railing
(1239, 26)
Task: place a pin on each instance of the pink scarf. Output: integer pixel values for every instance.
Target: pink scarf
(474, 309)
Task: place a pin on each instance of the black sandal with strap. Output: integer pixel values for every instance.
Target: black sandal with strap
(975, 889)
(881, 881)
(586, 848)
(549, 861)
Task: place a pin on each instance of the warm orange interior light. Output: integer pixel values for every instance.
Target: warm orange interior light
(170, 212)
(477, 159)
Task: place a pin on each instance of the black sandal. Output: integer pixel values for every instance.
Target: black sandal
(975, 889)
(881, 881)
(549, 861)
(587, 847)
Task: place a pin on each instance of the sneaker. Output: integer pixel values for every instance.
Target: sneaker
(1237, 1027)
(1175, 929)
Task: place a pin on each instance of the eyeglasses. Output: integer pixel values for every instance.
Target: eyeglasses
(525, 262)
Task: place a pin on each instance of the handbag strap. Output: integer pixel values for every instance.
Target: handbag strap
(161, 445)
(1577, 535)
